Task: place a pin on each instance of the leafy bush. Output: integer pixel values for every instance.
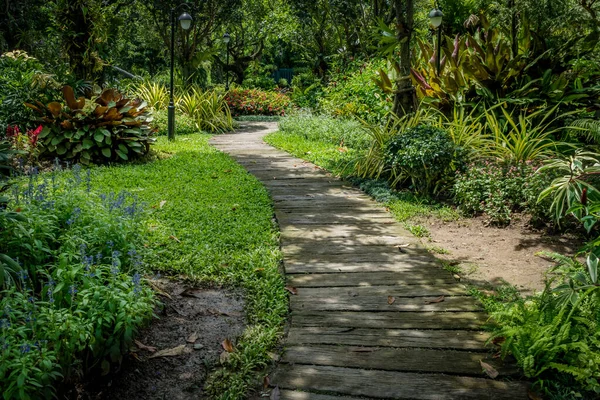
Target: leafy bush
(499, 189)
(70, 306)
(424, 156)
(22, 79)
(260, 77)
(352, 92)
(307, 90)
(257, 102)
(184, 125)
(106, 127)
(321, 128)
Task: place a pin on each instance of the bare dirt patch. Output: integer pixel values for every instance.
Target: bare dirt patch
(193, 324)
(492, 255)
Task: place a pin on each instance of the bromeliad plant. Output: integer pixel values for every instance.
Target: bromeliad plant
(105, 127)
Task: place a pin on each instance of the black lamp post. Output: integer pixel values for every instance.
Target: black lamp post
(435, 17)
(227, 39)
(185, 20)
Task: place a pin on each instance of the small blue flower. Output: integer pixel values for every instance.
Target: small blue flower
(72, 290)
(99, 257)
(110, 244)
(25, 348)
(4, 323)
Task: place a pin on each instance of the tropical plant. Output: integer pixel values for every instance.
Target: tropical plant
(573, 184)
(154, 93)
(520, 136)
(106, 127)
(208, 109)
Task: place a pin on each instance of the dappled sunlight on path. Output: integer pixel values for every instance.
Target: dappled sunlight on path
(373, 313)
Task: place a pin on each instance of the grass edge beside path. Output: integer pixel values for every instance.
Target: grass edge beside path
(211, 222)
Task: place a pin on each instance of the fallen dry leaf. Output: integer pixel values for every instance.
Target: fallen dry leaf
(275, 395)
(489, 370)
(142, 346)
(162, 204)
(291, 289)
(266, 382)
(342, 150)
(174, 238)
(438, 300)
(227, 171)
(228, 346)
(175, 351)
(193, 337)
(159, 290)
(391, 300)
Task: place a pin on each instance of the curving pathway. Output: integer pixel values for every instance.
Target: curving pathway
(374, 315)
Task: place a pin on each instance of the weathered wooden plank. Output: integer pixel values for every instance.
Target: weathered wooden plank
(297, 395)
(390, 320)
(357, 257)
(380, 303)
(395, 385)
(343, 247)
(402, 359)
(437, 339)
(368, 279)
(409, 266)
(398, 291)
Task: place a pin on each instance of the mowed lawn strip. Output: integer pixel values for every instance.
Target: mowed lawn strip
(212, 222)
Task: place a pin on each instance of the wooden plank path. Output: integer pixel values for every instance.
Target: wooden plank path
(374, 315)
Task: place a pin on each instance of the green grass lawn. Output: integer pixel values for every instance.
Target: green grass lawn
(215, 227)
(404, 205)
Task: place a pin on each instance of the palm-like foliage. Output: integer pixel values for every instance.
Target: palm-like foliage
(521, 136)
(572, 187)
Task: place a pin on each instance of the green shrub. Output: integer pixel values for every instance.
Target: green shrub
(260, 77)
(105, 127)
(71, 305)
(326, 129)
(499, 189)
(22, 79)
(209, 110)
(352, 92)
(184, 125)
(257, 102)
(307, 90)
(423, 156)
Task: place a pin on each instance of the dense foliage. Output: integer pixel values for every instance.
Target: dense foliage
(73, 295)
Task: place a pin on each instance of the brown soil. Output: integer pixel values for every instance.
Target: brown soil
(207, 315)
(492, 255)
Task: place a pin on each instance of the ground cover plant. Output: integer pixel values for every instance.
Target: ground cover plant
(214, 228)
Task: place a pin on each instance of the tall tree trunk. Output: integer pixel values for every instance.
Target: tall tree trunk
(404, 100)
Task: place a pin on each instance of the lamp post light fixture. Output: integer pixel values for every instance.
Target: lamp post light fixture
(227, 39)
(435, 17)
(185, 20)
